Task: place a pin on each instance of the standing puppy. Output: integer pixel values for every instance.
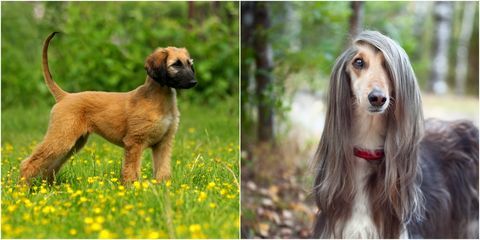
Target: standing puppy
(146, 117)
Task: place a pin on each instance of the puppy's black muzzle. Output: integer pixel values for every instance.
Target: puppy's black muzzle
(183, 79)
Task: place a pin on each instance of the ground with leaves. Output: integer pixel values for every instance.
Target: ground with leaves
(200, 201)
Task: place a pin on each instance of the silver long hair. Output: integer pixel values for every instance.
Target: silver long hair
(394, 192)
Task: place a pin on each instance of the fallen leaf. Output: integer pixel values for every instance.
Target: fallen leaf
(263, 229)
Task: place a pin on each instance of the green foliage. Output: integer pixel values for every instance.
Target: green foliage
(104, 44)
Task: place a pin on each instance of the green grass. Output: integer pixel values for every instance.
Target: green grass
(200, 201)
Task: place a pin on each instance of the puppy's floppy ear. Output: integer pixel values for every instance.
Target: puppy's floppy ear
(156, 65)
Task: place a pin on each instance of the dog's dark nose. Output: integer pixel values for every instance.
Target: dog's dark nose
(377, 98)
(192, 83)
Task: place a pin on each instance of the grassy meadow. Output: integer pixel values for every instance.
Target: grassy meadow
(200, 201)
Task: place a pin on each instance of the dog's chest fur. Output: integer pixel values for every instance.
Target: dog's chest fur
(360, 224)
(161, 124)
(153, 117)
(369, 133)
(162, 120)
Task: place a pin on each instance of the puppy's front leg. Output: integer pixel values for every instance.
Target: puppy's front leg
(133, 160)
(162, 156)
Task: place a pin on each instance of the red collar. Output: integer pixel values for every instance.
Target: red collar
(369, 155)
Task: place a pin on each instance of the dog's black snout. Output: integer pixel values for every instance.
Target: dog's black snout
(191, 83)
(377, 98)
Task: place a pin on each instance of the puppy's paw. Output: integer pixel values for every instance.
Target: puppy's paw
(162, 177)
(129, 177)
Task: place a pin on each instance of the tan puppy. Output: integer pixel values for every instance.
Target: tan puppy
(146, 117)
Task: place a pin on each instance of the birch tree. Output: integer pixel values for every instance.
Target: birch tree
(462, 49)
(443, 12)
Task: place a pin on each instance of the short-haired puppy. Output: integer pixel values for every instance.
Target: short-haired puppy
(146, 117)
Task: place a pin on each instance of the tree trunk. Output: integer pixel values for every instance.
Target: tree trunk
(263, 74)
(422, 9)
(292, 30)
(356, 19)
(247, 30)
(439, 66)
(191, 14)
(462, 49)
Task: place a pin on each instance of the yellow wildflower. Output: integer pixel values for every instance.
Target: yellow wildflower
(97, 210)
(96, 226)
(11, 208)
(196, 231)
(100, 219)
(153, 235)
(26, 217)
(48, 209)
(88, 220)
(105, 234)
(202, 196)
(195, 228)
(211, 185)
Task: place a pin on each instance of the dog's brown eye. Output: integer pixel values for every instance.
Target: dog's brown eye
(178, 63)
(358, 63)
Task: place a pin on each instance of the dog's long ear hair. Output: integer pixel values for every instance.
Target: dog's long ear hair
(156, 66)
(394, 189)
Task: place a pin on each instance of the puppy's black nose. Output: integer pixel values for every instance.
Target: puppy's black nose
(192, 83)
(377, 98)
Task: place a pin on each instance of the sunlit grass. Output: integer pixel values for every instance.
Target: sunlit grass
(200, 201)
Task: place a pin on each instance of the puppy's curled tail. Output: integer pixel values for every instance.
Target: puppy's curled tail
(56, 91)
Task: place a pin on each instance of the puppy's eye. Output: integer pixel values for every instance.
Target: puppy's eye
(358, 63)
(178, 63)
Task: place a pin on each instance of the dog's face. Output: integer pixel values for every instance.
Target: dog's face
(172, 67)
(370, 82)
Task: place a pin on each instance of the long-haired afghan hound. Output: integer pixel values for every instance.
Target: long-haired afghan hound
(382, 172)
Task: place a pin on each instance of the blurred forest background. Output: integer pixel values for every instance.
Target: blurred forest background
(288, 50)
(103, 46)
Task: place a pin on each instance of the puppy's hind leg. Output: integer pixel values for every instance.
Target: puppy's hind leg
(51, 172)
(52, 152)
